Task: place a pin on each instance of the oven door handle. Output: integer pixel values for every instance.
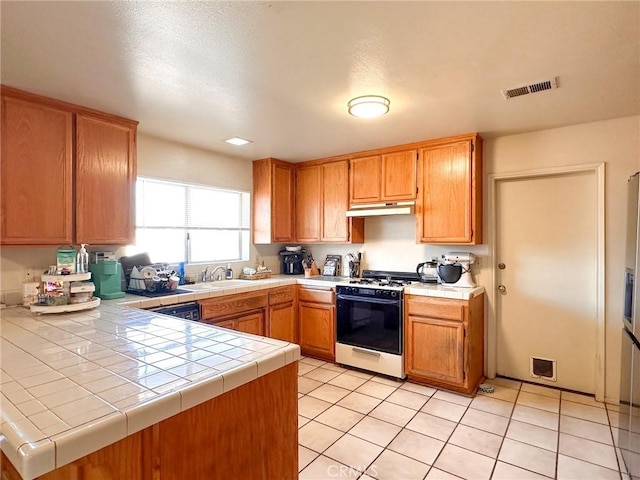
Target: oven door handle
(381, 301)
(360, 350)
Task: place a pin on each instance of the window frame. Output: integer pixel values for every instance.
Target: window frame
(243, 217)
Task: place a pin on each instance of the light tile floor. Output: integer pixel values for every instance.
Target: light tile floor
(358, 425)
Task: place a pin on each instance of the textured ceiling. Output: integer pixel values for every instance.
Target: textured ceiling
(281, 73)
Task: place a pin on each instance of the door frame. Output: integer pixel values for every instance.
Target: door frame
(492, 327)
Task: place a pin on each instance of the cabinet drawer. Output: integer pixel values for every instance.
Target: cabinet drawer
(215, 308)
(282, 295)
(315, 295)
(435, 307)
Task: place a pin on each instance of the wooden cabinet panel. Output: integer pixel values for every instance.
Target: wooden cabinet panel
(322, 193)
(317, 330)
(449, 206)
(335, 201)
(273, 201)
(232, 304)
(44, 166)
(398, 174)
(282, 295)
(364, 178)
(37, 149)
(387, 177)
(308, 203)
(105, 169)
(444, 342)
(252, 323)
(282, 322)
(316, 295)
(316, 322)
(436, 349)
(435, 307)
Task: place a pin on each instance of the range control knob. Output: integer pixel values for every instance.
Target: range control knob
(378, 292)
(394, 294)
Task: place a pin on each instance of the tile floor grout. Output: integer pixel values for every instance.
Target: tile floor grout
(338, 371)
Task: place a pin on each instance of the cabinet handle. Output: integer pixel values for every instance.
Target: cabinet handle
(359, 350)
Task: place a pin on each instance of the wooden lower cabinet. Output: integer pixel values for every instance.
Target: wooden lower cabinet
(252, 323)
(317, 322)
(282, 320)
(444, 342)
(222, 438)
(244, 312)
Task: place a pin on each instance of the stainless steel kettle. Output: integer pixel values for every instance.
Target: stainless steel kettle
(428, 271)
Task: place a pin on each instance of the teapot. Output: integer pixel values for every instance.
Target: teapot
(428, 271)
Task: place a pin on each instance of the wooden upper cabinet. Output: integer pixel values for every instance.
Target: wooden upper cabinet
(44, 167)
(37, 149)
(364, 179)
(449, 203)
(335, 201)
(308, 203)
(322, 200)
(388, 177)
(273, 201)
(399, 176)
(105, 181)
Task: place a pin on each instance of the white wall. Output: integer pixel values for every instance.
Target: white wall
(615, 142)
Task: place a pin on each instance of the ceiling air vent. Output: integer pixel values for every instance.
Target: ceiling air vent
(527, 89)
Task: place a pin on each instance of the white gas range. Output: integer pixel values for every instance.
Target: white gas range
(369, 321)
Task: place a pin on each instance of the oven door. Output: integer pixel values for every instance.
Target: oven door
(373, 323)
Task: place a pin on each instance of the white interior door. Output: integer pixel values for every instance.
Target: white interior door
(547, 241)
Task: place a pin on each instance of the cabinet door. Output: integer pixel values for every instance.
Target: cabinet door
(283, 207)
(36, 174)
(364, 179)
(308, 208)
(435, 349)
(230, 324)
(317, 330)
(252, 323)
(448, 209)
(105, 181)
(399, 176)
(335, 201)
(282, 322)
(273, 201)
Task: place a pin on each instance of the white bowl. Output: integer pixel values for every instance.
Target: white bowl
(293, 249)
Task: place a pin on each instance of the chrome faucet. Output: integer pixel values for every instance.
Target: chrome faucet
(203, 274)
(219, 277)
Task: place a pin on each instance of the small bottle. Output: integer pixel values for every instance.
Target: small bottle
(229, 272)
(82, 260)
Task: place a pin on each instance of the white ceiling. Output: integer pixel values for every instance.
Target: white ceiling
(281, 73)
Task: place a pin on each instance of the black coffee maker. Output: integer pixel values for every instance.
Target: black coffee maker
(292, 262)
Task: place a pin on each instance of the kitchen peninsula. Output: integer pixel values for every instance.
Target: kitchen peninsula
(119, 392)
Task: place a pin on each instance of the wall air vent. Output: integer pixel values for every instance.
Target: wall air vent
(527, 89)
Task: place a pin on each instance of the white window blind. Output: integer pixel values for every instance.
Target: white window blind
(179, 222)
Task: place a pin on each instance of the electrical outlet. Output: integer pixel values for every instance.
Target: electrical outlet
(30, 274)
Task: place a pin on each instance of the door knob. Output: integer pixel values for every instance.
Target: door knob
(502, 289)
(502, 266)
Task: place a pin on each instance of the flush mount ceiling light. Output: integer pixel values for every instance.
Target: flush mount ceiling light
(237, 141)
(368, 106)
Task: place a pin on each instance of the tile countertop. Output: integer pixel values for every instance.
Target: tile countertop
(444, 291)
(74, 383)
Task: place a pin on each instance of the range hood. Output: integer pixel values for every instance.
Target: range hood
(379, 209)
